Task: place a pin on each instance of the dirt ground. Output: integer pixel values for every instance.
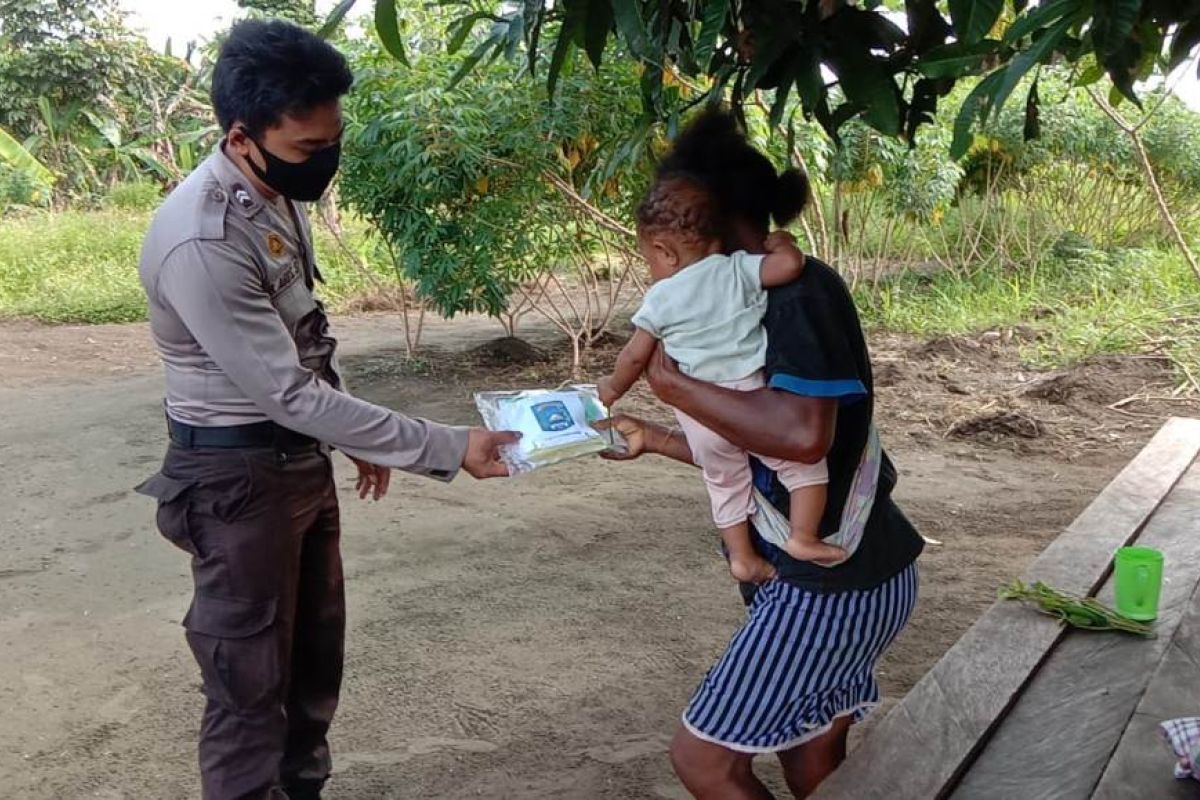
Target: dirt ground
(531, 639)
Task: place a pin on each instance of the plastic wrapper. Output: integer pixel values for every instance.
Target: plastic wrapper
(555, 425)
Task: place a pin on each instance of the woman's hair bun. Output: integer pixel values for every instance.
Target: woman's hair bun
(704, 146)
(791, 196)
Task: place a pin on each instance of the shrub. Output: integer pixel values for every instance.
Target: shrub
(134, 196)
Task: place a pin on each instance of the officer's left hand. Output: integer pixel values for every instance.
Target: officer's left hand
(372, 479)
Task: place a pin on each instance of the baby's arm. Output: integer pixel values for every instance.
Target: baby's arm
(631, 363)
(783, 262)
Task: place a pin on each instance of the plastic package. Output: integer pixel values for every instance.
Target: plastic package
(555, 425)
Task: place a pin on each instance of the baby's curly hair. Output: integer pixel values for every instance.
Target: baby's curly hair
(680, 204)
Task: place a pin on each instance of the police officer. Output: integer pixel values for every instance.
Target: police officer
(254, 401)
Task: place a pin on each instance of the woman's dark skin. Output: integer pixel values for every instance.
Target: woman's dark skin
(775, 423)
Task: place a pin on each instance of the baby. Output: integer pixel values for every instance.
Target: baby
(706, 308)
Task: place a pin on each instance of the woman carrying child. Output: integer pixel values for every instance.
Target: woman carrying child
(706, 309)
(800, 670)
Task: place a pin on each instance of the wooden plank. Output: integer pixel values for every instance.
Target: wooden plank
(1056, 740)
(918, 750)
(1142, 764)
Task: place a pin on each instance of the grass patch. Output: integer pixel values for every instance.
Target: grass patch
(81, 266)
(1088, 303)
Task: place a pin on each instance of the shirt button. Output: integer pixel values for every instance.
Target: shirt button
(218, 195)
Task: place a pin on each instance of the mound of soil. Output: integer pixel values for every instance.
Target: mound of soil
(949, 348)
(508, 351)
(999, 425)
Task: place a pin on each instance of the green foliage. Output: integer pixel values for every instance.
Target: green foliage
(884, 205)
(783, 45)
(1084, 170)
(72, 267)
(81, 266)
(18, 189)
(454, 177)
(302, 12)
(90, 100)
(134, 196)
(1085, 301)
(16, 156)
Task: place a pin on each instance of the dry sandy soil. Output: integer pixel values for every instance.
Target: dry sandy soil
(531, 639)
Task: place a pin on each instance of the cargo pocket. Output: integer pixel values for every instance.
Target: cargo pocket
(234, 643)
(172, 517)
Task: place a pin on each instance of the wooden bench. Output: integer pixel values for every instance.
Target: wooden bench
(1022, 708)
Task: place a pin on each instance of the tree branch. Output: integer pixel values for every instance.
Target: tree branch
(1151, 178)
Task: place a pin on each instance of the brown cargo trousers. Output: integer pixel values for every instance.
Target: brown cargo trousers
(267, 619)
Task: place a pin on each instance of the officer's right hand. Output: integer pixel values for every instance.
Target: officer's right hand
(482, 459)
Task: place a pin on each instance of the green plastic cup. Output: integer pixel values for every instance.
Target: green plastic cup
(1139, 573)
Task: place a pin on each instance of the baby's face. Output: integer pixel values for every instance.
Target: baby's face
(660, 255)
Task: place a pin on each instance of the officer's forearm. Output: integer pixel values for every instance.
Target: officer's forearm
(367, 431)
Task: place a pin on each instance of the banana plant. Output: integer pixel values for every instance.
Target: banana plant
(18, 156)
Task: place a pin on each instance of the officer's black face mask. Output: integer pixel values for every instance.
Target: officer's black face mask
(304, 181)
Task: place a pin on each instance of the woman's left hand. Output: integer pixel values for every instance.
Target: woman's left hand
(632, 429)
(668, 383)
(372, 479)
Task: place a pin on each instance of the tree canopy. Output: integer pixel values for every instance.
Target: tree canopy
(888, 63)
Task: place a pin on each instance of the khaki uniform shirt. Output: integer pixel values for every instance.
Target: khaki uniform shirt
(229, 280)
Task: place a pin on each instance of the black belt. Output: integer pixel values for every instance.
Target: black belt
(256, 435)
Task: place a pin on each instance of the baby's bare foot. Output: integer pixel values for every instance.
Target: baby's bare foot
(817, 552)
(751, 569)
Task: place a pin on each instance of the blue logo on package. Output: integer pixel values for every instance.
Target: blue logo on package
(553, 416)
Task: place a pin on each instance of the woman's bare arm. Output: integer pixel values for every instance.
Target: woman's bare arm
(766, 421)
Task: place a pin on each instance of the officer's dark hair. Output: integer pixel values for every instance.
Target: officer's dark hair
(714, 148)
(268, 68)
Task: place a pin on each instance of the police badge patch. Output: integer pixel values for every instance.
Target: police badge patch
(275, 245)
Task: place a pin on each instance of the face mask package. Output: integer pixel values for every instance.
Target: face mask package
(555, 425)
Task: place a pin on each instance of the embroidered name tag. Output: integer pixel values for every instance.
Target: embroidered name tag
(286, 277)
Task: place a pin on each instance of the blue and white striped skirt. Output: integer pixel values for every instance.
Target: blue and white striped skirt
(801, 660)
